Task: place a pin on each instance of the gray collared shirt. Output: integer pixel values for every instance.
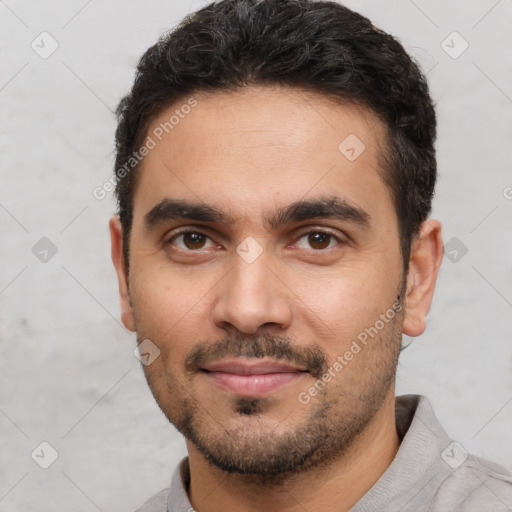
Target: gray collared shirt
(430, 473)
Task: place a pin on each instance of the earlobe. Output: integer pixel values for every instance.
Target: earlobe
(424, 262)
(116, 238)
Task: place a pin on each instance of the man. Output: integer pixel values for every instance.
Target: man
(275, 171)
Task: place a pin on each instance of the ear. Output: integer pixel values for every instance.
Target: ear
(424, 262)
(116, 238)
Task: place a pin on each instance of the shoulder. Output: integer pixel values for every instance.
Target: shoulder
(158, 503)
(476, 485)
(174, 498)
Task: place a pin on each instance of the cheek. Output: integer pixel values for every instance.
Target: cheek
(161, 295)
(337, 307)
(171, 310)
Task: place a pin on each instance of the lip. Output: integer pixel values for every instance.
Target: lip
(252, 378)
(241, 366)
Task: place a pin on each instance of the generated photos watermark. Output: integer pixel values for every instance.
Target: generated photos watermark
(152, 140)
(356, 346)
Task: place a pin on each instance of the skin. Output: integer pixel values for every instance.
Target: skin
(249, 153)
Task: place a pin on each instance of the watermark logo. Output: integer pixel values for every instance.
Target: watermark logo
(146, 352)
(249, 250)
(45, 45)
(454, 455)
(44, 455)
(44, 250)
(454, 45)
(351, 147)
(455, 249)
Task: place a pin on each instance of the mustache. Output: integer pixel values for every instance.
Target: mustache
(278, 348)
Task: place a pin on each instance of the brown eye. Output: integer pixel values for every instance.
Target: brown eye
(317, 240)
(194, 240)
(191, 241)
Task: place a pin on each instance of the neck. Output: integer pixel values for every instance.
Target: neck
(338, 486)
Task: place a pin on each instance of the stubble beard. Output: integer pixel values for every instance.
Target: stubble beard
(334, 420)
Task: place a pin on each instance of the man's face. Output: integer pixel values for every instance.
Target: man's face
(260, 252)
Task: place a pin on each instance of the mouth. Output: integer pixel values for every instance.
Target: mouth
(246, 377)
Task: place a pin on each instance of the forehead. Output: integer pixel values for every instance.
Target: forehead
(247, 150)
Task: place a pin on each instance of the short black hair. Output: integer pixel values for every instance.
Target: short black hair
(322, 47)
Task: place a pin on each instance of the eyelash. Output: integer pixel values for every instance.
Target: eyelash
(301, 235)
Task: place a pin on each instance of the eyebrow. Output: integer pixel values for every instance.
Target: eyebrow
(323, 207)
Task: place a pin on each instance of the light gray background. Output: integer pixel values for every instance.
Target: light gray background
(68, 374)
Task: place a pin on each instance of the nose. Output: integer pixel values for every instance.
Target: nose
(252, 298)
